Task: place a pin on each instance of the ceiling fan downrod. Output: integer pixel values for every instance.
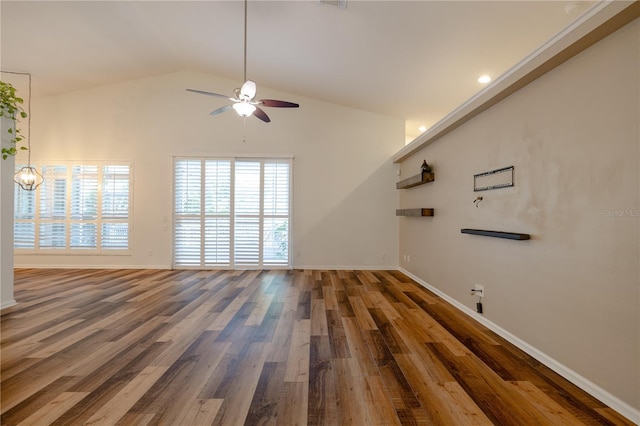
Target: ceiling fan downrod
(245, 41)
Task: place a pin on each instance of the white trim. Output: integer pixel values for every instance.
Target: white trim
(73, 252)
(346, 268)
(226, 268)
(583, 383)
(7, 304)
(247, 156)
(597, 15)
(85, 266)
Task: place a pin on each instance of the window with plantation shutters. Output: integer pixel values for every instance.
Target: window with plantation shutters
(52, 222)
(114, 207)
(275, 214)
(188, 202)
(79, 208)
(217, 213)
(24, 219)
(83, 230)
(247, 213)
(231, 213)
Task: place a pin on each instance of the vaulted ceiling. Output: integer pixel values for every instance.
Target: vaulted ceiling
(415, 60)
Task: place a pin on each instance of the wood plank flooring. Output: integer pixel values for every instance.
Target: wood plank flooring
(302, 347)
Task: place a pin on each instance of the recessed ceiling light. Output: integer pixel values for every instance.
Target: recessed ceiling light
(570, 8)
(342, 4)
(422, 128)
(484, 79)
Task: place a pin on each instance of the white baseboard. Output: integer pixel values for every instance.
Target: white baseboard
(7, 304)
(588, 386)
(84, 266)
(316, 267)
(346, 268)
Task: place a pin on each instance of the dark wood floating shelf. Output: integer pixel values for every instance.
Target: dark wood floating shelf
(496, 234)
(414, 212)
(416, 180)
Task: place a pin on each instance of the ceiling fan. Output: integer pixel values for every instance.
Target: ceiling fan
(243, 102)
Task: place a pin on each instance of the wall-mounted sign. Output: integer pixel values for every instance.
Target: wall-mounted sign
(499, 178)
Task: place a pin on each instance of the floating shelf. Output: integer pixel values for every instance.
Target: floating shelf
(497, 234)
(416, 180)
(414, 212)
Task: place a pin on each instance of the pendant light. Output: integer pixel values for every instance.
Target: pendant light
(28, 177)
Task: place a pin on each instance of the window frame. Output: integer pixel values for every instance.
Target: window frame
(101, 219)
(233, 263)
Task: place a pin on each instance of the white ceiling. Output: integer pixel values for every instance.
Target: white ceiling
(416, 60)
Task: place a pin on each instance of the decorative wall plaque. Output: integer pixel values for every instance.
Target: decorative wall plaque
(499, 178)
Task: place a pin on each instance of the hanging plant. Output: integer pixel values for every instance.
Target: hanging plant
(10, 107)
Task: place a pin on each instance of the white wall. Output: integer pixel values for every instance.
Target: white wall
(344, 197)
(573, 290)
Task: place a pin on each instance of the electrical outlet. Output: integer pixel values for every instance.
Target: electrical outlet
(479, 290)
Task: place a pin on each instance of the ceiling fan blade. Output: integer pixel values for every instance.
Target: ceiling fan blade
(202, 92)
(277, 104)
(261, 115)
(248, 90)
(221, 110)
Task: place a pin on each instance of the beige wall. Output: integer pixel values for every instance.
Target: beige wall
(572, 291)
(6, 219)
(343, 193)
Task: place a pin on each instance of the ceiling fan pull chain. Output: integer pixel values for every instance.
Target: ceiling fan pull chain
(244, 129)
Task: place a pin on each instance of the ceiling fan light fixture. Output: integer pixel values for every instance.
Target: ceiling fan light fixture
(244, 109)
(248, 90)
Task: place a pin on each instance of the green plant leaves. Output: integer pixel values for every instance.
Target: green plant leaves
(10, 107)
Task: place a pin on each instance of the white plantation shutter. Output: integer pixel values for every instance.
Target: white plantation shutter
(115, 205)
(84, 207)
(276, 241)
(53, 208)
(276, 213)
(115, 192)
(247, 213)
(276, 188)
(247, 241)
(187, 211)
(187, 246)
(84, 192)
(238, 215)
(53, 193)
(78, 208)
(217, 241)
(24, 227)
(217, 213)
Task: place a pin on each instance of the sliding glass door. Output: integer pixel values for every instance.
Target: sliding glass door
(231, 213)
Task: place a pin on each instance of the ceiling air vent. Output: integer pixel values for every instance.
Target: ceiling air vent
(342, 4)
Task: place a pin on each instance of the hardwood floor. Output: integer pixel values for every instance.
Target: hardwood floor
(296, 347)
